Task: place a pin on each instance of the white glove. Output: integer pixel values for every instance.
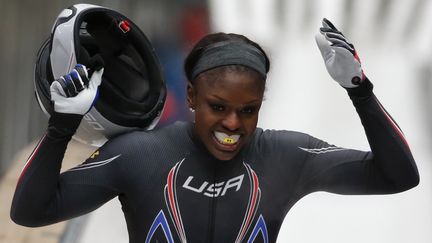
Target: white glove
(340, 57)
(74, 93)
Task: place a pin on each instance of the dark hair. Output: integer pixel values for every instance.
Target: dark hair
(210, 39)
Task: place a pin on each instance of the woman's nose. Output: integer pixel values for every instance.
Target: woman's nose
(231, 121)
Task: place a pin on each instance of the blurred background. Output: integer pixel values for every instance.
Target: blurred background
(394, 41)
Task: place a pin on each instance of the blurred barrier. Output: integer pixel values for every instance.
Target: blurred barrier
(23, 29)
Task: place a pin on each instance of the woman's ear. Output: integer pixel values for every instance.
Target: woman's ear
(190, 95)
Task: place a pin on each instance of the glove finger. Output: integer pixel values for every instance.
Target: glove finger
(335, 36)
(327, 24)
(67, 91)
(323, 46)
(70, 86)
(82, 71)
(56, 89)
(96, 79)
(335, 41)
(328, 30)
(339, 43)
(77, 81)
(61, 81)
(340, 37)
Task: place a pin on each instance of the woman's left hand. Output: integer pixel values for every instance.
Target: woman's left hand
(340, 57)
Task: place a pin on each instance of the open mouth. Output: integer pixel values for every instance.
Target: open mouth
(226, 142)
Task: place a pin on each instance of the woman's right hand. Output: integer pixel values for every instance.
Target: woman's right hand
(74, 93)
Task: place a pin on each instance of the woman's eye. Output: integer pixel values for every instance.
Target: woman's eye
(248, 110)
(217, 107)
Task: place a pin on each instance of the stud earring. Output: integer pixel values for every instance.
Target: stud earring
(191, 109)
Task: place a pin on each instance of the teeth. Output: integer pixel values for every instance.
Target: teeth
(226, 139)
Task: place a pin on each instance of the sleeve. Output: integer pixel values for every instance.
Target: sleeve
(388, 168)
(44, 196)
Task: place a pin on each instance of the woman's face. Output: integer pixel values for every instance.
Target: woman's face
(226, 110)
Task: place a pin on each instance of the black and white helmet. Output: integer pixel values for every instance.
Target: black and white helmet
(132, 93)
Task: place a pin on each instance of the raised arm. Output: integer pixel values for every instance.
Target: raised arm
(42, 195)
(390, 167)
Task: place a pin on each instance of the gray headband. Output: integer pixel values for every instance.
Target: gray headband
(230, 53)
